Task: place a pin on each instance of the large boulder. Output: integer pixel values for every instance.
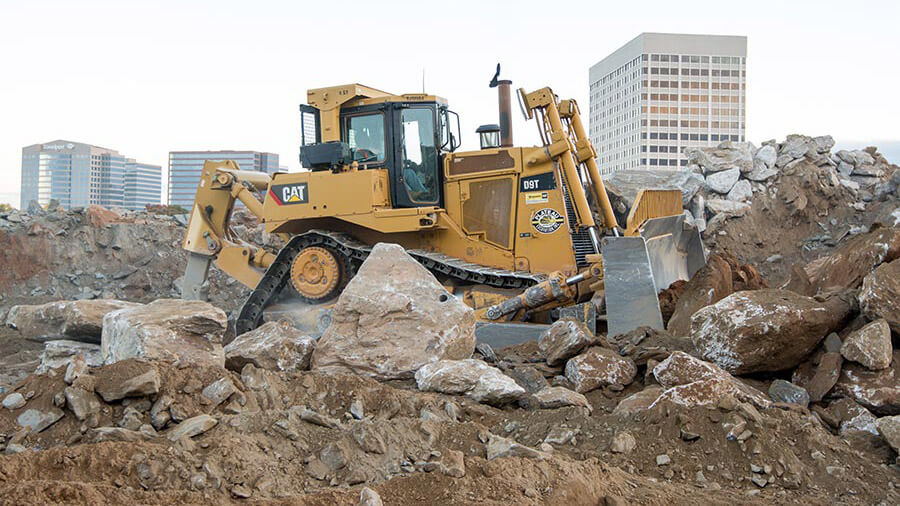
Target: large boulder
(165, 329)
(276, 346)
(563, 340)
(870, 345)
(393, 318)
(599, 367)
(726, 156)
(469, 377)
(889, 428)
(879, 391)
(74, 320)
(856, 258)
(708, 285)
(879, 296)
(765, 330)
(689, 381)
(723, 182)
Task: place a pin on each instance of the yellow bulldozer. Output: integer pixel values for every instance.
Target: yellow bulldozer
(520, 233)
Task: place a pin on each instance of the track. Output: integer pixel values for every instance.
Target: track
(278, 274)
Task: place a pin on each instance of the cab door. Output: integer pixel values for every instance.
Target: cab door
(416, 175)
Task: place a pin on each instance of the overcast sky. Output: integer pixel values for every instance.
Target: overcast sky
(148, 77)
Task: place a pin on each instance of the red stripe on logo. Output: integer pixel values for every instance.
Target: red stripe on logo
(275, 197)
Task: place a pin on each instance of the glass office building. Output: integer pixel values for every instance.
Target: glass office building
(142, 185)
(78, 174)
(661, 93)
(185, 167)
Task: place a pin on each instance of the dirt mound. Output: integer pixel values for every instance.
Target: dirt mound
(269, 451)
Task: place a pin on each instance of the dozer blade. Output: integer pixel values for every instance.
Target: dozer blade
(631, 300)
(636, 269)
(675, 249)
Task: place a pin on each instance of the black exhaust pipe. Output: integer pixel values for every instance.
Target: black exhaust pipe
(506, 135)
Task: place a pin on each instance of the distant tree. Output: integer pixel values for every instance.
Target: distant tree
(5, 208)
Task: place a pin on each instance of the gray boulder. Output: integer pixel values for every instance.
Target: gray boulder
(75, 320)
(167, 330)
(722, 182)
(469, 377)
(276, 346)
(393, 318)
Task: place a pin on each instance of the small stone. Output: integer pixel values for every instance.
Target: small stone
(689, 436)
(369, 497)
(663, 460)
(755, 468)
(14, 400)
(36, 420)
(870, 345)
(192, 427)
(219, 391)
(77, 366)
(623, 442)
(759, 481)
(785, 391)
(499, 447)
(357, 410)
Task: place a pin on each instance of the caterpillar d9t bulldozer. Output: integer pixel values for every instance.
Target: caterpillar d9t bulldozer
(516, 231)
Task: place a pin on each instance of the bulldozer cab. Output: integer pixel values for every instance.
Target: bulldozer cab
(408, 135)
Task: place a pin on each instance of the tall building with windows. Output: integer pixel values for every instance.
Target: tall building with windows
(78, 174)
(663, 92)
(185, 168)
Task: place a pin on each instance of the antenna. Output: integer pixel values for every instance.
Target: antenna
(423, 80)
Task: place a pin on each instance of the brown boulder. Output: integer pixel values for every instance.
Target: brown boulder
(820, 380)
(165, 329)
(563, 340)
(469, 377)
(879, 296)
(599, 367)
(709, 285)
(393, 318)
(765, 330)
(870, 345)
(879, 391)
(75, 320)
(846, 267)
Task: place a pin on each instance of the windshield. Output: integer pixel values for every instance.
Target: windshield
(420, 156)
(365, 136)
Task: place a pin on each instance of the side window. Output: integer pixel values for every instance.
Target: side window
(420, 155)
(365, 136)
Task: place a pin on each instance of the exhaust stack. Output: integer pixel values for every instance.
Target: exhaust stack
(506, 136)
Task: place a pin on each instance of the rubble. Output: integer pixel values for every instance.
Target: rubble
(689, 381)
(870, 345)
(889, 428)
(563, 340)
(785, 391)
(879, 296)
(61, 353)
(165, 329)
(879, 391)
(469, 377)
(276, 346)
(764, 330)
(598, 367)
(393, 318)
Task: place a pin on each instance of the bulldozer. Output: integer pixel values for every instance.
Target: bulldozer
(521, 234)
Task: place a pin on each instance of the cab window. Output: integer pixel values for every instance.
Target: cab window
(420, 155)
(365, 136)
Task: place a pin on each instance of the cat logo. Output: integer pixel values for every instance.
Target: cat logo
(285, 194)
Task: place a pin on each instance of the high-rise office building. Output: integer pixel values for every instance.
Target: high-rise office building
(78, 174)
(661, 93)
(185, 168)
(142, 184)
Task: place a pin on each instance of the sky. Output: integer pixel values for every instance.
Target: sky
(145, 78)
